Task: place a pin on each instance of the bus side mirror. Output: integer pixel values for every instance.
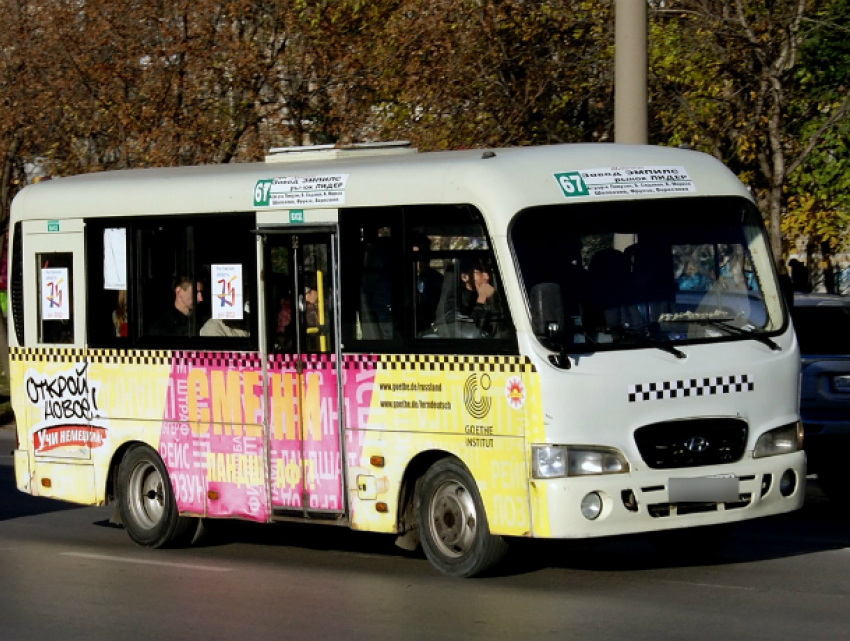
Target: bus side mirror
(547, 311)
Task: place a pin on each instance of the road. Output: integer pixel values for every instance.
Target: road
(65, 573)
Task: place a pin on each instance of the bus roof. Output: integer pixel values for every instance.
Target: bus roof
(499, 182)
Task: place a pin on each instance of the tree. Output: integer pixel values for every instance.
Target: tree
(743, 95)
(468, 73)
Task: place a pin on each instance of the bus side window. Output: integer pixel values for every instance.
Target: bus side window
(107, 292)
(451, 278)
(370, 272)
(172, 282)
(376, 307)
(55, 302)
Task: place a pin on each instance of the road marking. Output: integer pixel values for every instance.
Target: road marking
(709, 585)
(167, 564)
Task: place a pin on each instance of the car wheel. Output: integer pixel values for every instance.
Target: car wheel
(452, 524)
(147, 504)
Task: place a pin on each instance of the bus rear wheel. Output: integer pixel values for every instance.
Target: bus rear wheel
(452, 524)
(147, 504)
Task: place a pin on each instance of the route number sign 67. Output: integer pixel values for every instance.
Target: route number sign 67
(572, 184)
(261, 193)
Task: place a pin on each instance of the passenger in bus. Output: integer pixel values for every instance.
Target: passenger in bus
(316, 339)
(311, 300)
(479, 299)
(284, 331)
(284, 315)
(175, 321)
(119, 314)
(230, 328)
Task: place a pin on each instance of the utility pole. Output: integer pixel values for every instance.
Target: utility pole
(630, 65)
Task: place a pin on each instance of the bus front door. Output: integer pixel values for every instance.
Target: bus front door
(303, 371)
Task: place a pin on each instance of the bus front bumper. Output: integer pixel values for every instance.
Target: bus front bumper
(640, 501)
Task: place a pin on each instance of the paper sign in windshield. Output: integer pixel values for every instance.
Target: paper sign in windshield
(625, 181)
(301, 191)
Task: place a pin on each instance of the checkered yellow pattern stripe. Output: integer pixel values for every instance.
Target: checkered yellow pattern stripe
(455, 363)
(105, 356)
(46, 354)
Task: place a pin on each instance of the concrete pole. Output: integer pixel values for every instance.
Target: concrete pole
(630, 64)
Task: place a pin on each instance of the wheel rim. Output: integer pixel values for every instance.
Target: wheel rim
(453, 519)
(146, 498)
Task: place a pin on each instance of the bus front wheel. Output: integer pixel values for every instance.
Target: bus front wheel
(452, 524)
(146, 501)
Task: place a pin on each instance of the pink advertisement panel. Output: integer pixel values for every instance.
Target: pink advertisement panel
(212, 437)
(212, 432)
(306, 469)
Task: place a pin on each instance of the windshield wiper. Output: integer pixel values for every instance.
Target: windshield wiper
(648, 341)
(723, 323)
(740, 331)
(562, 359)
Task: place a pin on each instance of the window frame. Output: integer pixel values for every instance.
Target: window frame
(100, 337)
(402, 221)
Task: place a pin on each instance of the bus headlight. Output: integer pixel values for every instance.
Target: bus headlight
(548, 461)
(555, 461)
(583, 461)
(780, 440)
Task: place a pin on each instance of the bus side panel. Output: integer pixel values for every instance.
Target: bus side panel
(72, 482)
(536, 433)
(212, 435)
(305, 465)
(475, 407)
(202, 412)
(59, 427)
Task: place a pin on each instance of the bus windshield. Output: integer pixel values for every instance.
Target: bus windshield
(646, 273)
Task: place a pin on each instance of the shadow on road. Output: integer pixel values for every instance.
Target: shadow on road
(821, 525)
(16, 504)
(299, 535)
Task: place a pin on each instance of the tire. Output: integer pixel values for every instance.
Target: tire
(147, 504)
(692, 545)
(453, 527)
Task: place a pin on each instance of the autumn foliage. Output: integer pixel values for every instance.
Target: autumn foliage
(90, 85)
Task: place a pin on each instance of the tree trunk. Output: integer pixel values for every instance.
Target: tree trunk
(775, 218)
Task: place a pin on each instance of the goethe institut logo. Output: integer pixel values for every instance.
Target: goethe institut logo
(477, 403)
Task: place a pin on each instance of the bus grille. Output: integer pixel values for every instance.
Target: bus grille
(692, 443)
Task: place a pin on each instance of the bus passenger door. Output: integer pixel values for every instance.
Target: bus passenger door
(303, 372)
(62, 411)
